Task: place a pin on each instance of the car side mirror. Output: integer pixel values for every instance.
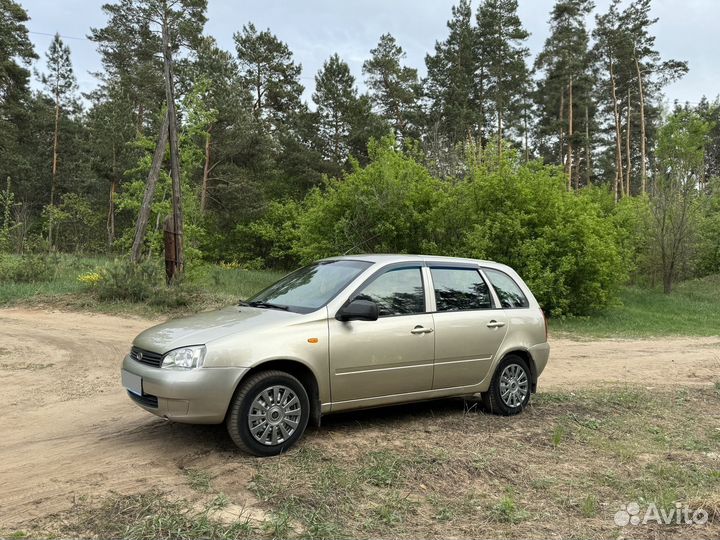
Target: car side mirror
(358, 310)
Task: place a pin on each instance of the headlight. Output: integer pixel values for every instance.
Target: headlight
(185, 357)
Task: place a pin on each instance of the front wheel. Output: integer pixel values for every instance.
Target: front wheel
(509, 390)
(269, 413)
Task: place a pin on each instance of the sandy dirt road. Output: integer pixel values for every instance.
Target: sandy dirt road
(69, 431)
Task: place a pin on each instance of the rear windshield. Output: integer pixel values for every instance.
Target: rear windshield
(311, 287)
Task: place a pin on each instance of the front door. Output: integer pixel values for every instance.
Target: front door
(393, 355)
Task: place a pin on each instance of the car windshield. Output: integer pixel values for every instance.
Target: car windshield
(311, 287)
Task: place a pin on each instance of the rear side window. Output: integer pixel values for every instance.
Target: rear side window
(396, 292)
(458, 289)
(507, 290)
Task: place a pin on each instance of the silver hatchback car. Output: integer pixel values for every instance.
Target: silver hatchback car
(345, 333)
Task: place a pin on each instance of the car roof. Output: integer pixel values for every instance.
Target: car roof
(389, 258)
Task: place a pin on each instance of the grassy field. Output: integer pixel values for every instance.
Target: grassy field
(564, 468)
(206, 286)
(692, 309)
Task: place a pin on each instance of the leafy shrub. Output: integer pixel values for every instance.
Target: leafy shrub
(571, 248)
(382, 208)
(561, 243)
(28, 268)
(270, 240)
(123, 280)
(708, 250)
(144, 282)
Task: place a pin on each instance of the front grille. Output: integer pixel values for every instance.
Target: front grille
(146, 357)
(146, 399)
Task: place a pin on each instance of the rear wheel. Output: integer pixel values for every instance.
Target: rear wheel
(509, 390)
(269, 413)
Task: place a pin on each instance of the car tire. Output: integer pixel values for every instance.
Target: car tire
(268, 414)
(510, 388)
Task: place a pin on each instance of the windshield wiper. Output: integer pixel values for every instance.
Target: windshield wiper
(260, 304)
(243, 303)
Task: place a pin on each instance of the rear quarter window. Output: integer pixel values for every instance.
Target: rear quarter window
(508, 291)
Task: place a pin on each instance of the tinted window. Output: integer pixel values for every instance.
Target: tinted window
(311, 287)
(396, 292)
(457, 289)
(507, 290)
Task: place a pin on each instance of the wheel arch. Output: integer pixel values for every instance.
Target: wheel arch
(525, 355)
(297, 369)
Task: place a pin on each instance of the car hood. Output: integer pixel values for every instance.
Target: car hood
(205, 327)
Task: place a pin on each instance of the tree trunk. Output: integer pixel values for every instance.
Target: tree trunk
(561, 116)
(588, 161)
(618, 187)
(527, 148)
(53, 180)
(570, 134)
(169, 238)
(174, 154)
(111, 201)
(500, 131)
(111, 216)
(206, 174)
(144, 214)
(628, 164)
(643, 157)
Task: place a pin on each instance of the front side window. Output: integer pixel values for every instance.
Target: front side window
(311, 287)
(459, 289)
(396, 292)
(507, 290)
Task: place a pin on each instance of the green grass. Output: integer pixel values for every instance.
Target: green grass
(206, 286)
(64, 282)
(198, 480)
(692, 309)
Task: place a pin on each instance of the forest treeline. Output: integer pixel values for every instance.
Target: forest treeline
(565, 165)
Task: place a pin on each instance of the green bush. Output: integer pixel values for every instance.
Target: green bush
(28, 268)
(572, 248)
(562, 243)
(123, 280)
(382, 208)
(708, 249)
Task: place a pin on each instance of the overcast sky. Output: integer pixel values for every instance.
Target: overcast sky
(314, 29)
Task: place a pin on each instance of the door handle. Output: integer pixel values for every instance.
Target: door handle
(495, 324)
(421, 330)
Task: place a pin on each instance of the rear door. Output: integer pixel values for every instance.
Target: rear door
(469, 327)
(392, 355)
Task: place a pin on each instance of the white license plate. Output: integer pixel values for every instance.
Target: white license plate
(132, 382)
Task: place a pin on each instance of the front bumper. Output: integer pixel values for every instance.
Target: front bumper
(194, 396)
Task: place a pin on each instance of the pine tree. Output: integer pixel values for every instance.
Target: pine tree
(455, 95)
(635, 78)
(268, 70)
(16, 54)
(60, 84)
(651, 74)
(502, 75)
(132, 68)
(564, 65)
(395, 90)
(611, 48)
(337, 101)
